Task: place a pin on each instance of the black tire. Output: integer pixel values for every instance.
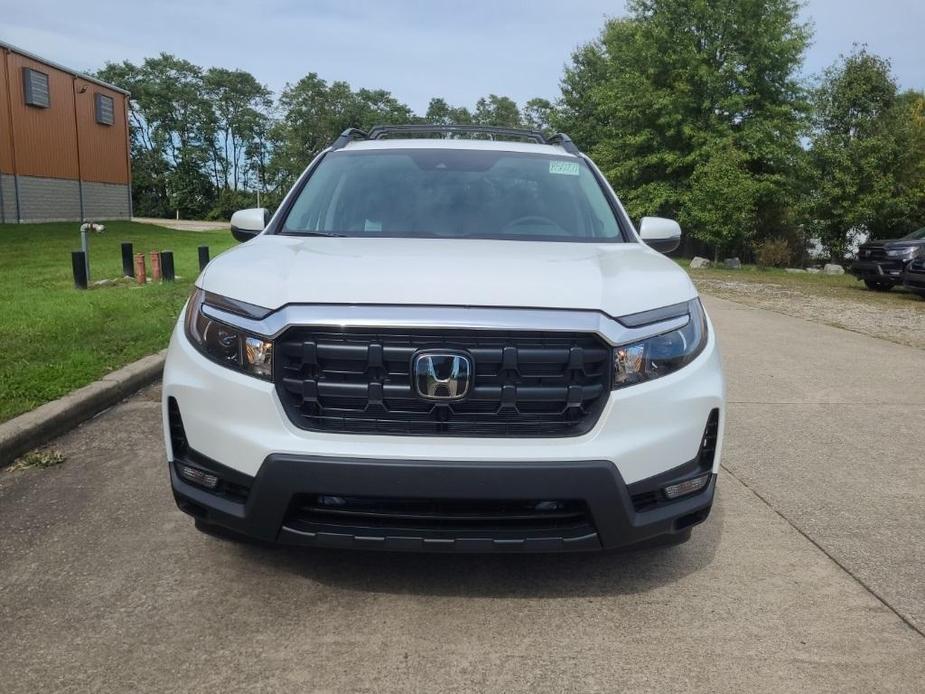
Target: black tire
(877, 286)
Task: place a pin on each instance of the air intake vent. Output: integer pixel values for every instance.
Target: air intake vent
(178, 441)
(708, 445)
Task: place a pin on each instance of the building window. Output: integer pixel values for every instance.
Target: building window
(104, 109)
(35, 88)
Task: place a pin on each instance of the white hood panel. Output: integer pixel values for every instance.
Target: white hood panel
(616, 278)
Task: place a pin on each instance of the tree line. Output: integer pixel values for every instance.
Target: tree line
(693, 110)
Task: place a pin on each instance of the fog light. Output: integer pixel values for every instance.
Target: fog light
(197, 476)
(673, 491)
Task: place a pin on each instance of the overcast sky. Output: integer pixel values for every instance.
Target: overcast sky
(457, 49)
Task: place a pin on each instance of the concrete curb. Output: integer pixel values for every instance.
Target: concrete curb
(35, 428)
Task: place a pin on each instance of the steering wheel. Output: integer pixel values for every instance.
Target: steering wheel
(534, 219)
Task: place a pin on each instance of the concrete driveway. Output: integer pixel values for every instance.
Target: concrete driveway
(807, 577)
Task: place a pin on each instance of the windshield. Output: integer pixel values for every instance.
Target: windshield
(453, 193)
(917, 235)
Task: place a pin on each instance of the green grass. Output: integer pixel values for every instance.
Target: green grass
(54, 338)
(838, 286)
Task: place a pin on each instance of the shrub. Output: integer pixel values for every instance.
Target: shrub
(773, 253)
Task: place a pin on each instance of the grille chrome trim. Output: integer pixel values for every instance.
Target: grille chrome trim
(447, 318)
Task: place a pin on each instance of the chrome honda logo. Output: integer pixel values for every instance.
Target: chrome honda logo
(441, 375)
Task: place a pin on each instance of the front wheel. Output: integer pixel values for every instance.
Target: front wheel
(878, 286)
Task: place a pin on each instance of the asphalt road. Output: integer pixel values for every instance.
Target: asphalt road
(807, 577)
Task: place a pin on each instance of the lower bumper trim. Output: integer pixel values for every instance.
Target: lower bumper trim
(612, 521)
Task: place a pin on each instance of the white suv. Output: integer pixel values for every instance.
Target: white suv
(450, 339)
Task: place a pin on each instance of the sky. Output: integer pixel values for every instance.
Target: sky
(417, 49)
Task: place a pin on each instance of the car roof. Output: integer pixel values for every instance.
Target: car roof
(456, 143)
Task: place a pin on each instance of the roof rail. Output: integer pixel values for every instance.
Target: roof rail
(348, 135)
(564, 141)
(379, 132)
(382, 131)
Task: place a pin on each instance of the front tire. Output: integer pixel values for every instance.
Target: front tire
(877, 286)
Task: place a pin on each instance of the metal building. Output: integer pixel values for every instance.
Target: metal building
(64, 143)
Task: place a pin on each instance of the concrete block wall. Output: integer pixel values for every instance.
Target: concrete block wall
(8, 212)
(106, 201)
(48, 199)
(59, 200)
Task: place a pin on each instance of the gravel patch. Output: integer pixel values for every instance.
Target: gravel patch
(902, 324)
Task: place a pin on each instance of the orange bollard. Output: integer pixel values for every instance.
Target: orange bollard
(155, 266)
(140, 268)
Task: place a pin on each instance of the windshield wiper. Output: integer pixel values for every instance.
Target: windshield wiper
(311, 233)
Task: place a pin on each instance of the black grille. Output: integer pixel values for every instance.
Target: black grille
(438, 518)
(526, 384)
(872, 253)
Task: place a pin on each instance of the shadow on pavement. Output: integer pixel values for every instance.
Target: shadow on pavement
(498, 576)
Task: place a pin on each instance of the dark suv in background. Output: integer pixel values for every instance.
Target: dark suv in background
(881, 263)
(914, 276)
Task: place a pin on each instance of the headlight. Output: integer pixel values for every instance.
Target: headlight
(227, 344)
(662, 354)
(904, 252)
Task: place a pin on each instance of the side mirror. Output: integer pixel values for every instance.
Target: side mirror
(664, 235)
(246, 224)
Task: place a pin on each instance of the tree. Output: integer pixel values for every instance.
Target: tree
(721, 204)
(654, 95)
(440, 113)
(241, 106)
(867, 154)
(538, 114)
(315, 113)
(171, 121)
(497, 110)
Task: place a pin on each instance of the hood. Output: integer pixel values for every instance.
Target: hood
(616, 278)
(894, 242)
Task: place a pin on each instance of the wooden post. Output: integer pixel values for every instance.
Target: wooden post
(155, 266)
(203, 257)
(140, 274)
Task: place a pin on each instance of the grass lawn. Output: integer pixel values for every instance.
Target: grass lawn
(817, 284)
(54, 338)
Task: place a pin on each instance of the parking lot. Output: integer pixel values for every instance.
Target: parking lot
(807, 576)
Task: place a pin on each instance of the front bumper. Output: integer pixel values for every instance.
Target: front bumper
(272, 512)
(877, 270)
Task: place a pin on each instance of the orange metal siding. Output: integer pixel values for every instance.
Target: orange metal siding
(6, 142)
(103, 148)
(45, 138)
(63, 140)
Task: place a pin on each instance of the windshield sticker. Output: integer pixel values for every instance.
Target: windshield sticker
(563, 168)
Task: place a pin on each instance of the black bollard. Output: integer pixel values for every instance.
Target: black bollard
(128, 260)
(203, 257)
(167, 266)
(79, 263)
